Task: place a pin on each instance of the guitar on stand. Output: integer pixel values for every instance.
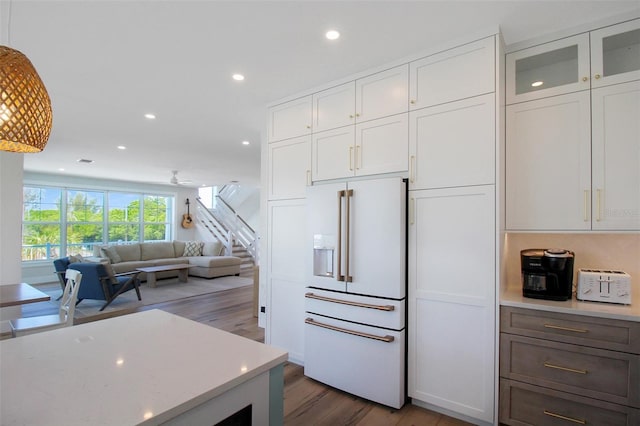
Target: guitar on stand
(187, 220)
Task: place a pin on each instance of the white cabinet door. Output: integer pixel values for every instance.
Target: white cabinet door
(548, 164)
(616, 157)
(289, 168)
(334, 107)
(615, 54)
(549, 69)
(451, 300)
(453, 144)
(382, 94)
(287, 250)
(455, 74)
(290, 119)
(333, 153)
(381, 146)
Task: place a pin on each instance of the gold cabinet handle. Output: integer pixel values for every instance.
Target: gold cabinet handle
(386, 339)
(351, 158)
(412, 213)
(560, 416)
(559, 367)
(412, 101)
(597, 76)
(308, 127)
(358, 157)
(557, 327)
(412, 169)
(598, 194)
(357, 114)
(350, 115)
(387, 308)
(585, 78)
(585, 208)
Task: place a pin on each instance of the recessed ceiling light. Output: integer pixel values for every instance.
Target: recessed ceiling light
(150, 116)
(61, 169)
(246, 143)
(537, 84)
(332, 35)
(122, 147)
(238, 77)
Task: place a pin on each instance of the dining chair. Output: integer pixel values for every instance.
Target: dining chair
(64, 318)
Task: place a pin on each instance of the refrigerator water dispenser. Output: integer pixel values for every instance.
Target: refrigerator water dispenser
(323, 248)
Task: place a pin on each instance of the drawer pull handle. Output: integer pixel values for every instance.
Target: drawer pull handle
(560, 416)
(387, 339)
(348, 302)
(557, 327)
(572, 370)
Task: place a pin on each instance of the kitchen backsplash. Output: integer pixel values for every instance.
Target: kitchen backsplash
(619, 252)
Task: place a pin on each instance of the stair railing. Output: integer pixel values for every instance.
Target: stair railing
(214, 226)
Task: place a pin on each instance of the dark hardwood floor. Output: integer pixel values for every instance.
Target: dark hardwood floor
(306, 402)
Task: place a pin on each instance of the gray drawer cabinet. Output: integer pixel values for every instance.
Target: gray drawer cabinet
(568, 369)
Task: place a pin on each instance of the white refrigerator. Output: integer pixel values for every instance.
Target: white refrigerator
(357, 281)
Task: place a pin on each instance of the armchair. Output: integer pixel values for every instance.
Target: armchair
(99, 284)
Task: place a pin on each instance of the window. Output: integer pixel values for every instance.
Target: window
(60, 221)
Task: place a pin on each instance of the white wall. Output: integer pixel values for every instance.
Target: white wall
(42, 271)
(10, 217)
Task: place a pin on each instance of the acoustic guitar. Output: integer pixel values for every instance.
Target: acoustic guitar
(187, 220)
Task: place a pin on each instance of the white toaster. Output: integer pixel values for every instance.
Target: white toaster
(602, 285)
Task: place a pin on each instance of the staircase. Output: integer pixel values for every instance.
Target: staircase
(247, 265)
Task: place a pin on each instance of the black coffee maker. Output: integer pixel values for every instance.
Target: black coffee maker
(547, 273)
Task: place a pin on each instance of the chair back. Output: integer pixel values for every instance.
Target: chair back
(69, 296)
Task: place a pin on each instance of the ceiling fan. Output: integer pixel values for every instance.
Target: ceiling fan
(174, 179)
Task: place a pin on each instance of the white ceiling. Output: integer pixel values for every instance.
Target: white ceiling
(107, 63)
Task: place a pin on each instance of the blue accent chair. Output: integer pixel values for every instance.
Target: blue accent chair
(97, 284)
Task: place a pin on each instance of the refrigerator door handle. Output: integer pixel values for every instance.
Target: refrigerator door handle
(339, 277)
(347, 232)
(387, 308)
(386, 339)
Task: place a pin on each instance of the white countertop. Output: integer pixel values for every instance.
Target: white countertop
(145, 367)
(513, 297)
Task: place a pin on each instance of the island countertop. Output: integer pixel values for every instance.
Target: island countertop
(143, 368)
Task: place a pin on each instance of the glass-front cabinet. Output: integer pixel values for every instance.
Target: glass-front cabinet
(610, 55)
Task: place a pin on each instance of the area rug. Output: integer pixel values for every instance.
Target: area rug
(166, 290)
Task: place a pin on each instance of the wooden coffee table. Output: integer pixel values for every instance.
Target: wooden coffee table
(183, 273)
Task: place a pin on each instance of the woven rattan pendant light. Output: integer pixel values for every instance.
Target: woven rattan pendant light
(25, 107)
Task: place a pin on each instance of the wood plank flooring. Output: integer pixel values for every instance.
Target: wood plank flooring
(306, 402)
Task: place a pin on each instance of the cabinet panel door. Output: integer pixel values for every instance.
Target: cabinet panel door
(453, 144)
(616, 157)
(289, 168)
(334, 107)
(333, 153)
(452, 308)
(549, 69)
(382, 94)
(382, 146)
(615, 54)
(455, 74)
(290, 119)
(548, 164)
(286, 260)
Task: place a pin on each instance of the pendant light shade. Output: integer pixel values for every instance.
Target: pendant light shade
(25, 107)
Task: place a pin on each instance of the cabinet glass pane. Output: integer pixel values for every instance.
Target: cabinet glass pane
(546, 70)
(621, 53)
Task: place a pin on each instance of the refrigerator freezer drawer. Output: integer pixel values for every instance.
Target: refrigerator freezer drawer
(362, 309)
(362, 360)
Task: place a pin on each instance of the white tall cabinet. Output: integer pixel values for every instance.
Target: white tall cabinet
(433, 119)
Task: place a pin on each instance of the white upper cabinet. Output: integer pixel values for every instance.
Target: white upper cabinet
(382, 94)
(459, 73)
(549, 69)
(616, 157)
(289, 168)
(453, 144)
(379, 95)
(548, 159)
(290, 119)
(615, 54)
(381, 145)
(334, 107)
(333, 153)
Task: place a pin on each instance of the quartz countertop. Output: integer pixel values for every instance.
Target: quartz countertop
(143, 368)
(513, 297)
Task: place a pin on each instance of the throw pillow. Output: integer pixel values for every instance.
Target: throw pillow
(111, 253)
(193, 248)
(212, 248)
(76, 258)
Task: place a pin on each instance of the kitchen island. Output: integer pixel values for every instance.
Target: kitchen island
(146, 368)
